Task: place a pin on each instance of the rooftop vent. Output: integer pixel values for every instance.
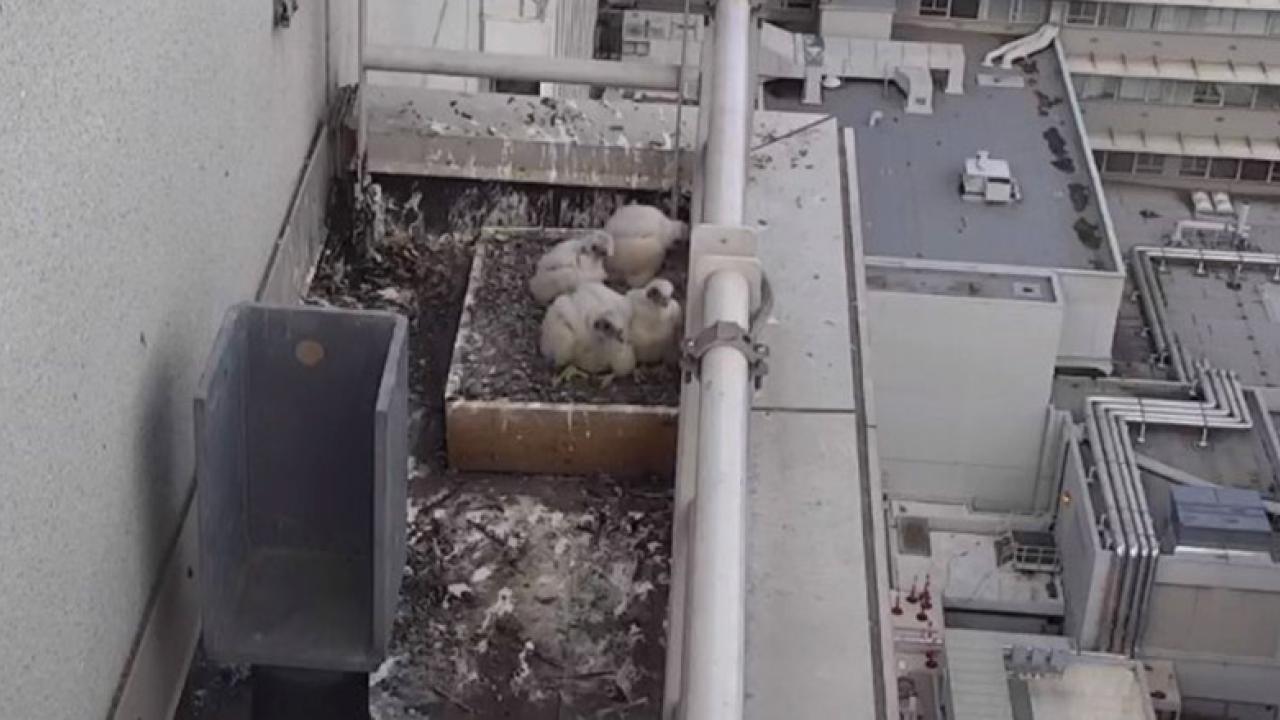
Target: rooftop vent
(989, 180)
(1220, 517)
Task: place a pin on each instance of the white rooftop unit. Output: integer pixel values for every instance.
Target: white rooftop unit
(989, 180)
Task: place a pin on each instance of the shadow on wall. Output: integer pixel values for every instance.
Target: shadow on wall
(160, 487)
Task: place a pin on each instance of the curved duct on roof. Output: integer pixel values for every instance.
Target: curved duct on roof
(1023, 47)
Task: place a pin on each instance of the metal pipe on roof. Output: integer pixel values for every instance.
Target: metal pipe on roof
(1127, 550)
(731, 102)
(1117, 519)
(715, 651)
(1152, 297)
(530, 68)
(1117, 468)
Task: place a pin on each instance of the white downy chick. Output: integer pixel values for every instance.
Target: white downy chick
(571, 263)
(641, 236)
(589, 329)
(656, 318)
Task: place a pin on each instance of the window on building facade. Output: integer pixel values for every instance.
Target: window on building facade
(1119, 162)
(1171, 18)
(1114, 15)
(1096, 87)
(1255, 170)
(1141, 17)
(1206, 94)
(934, 7)
(1177, 92)
(966, 9)
(1237, 95)
(1251, 22)
(1224, 168)
(1268, 98)
(1128, 163)
(1148, 164)
(1036, 11)
(1193, 167)
(1133, 89)
(1162, 91)
(1080, 12)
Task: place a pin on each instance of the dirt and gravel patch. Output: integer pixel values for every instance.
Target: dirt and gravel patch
(532, 598)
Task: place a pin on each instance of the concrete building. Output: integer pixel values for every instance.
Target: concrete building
(1179, 95)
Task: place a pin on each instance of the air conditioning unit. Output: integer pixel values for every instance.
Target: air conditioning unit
(989, 180)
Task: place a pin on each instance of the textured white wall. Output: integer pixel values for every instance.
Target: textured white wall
(148, 149)
(962, 390)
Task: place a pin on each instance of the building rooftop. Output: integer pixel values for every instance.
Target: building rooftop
(1225, 319)
(1244, 459)
(910, 165)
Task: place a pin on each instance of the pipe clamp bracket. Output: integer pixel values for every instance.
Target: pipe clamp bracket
(725, 334)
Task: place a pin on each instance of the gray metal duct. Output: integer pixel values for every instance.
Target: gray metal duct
(1135, 544)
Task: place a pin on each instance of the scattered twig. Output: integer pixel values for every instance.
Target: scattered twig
(503, 545)
(455, 701)
(622, 709)
(595, 675)
(440, 498)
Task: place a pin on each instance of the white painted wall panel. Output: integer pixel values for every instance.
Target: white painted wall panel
(1089, 325)
(962, 385)
(149, 152)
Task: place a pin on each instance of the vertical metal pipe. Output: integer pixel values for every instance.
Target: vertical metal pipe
(362, 91)
(715, 653)
(731, 103)
(713, 626)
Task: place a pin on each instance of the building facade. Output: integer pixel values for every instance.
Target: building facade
(1183, 95)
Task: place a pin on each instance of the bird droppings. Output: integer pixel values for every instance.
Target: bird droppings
(524, 596)
(567, 620)
(498, 358)
(416, 259)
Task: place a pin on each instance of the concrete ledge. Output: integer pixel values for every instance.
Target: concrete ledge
(523, 138)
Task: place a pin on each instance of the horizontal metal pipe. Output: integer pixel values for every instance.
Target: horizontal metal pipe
(529, 68)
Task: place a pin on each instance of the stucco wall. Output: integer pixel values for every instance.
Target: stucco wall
(148, 150)
(961, 390)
